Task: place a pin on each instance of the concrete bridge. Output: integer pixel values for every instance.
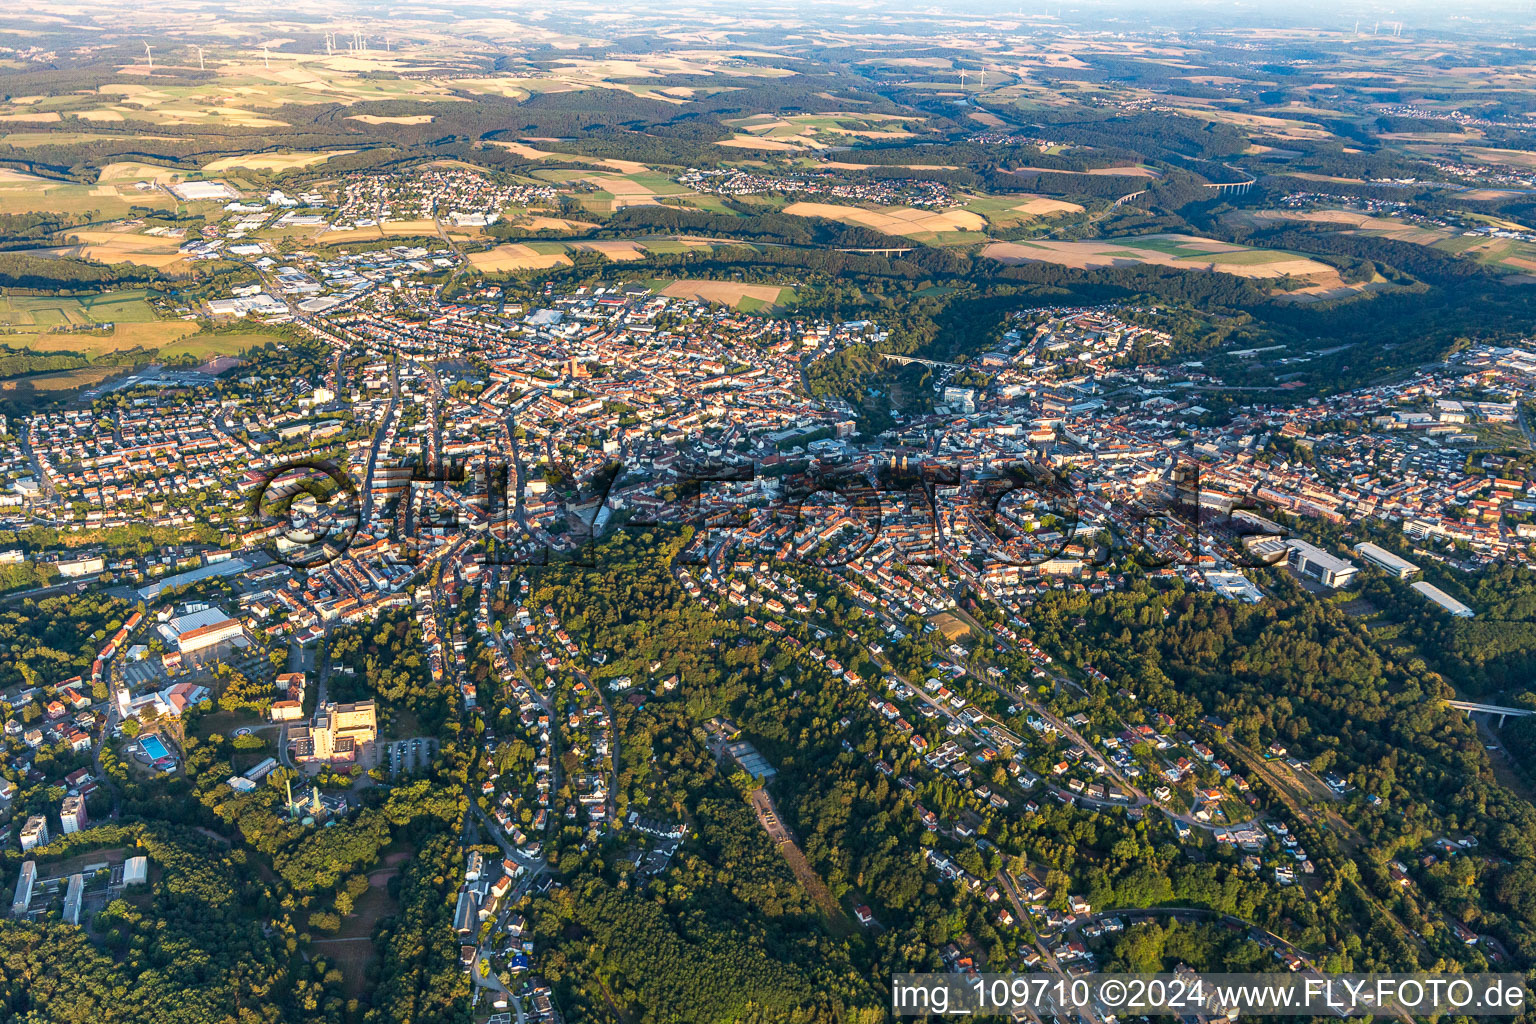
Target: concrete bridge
(904, 360)
(1226, 188)
(1474, 708)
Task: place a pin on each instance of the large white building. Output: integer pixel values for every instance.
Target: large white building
(81, 566)
(203, 191)
(1311, 560)
(1386, 561)
(74, 898)
(24, 884)
(201, 630)
(1443, 599)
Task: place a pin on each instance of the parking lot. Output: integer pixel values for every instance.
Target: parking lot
(406, 757)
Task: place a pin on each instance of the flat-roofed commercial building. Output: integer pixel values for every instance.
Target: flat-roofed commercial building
(24, 884)
(1311, 560)
(1443, 599)
(197, 632)
(74, 898)
(1386, 561)
(339, 732)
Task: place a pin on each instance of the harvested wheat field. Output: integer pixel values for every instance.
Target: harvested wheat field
(1042, 207)
(769, 145)
(1346, 217)
(514, 257)
(147, 252)
(380, 119)
(893, 220)
(1184, 252)
(727, 293)
(273, 161)
(614, 250)
(553, 224)
(841, 165)
(1129, 171)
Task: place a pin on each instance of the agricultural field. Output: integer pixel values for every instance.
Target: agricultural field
(749, 298)
(33, 314)
(26, 193)
(122, 245)
(639, 186)
(1123, 171)
(1513, 256)
(515, 256)
(65, 323)
(60, 380)
(1007, 211)
(540, 255)
(793, 132)
(953, 226)
(122, 337)
(1185, 252)
(1354, 222)
(272, 162)
(245, 87)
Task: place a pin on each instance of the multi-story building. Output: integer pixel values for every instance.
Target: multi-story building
(72, 814)
(339, 732)
(74, 898)
(1386, 561)
(24, 884)
(1311, 560)
(34, 833)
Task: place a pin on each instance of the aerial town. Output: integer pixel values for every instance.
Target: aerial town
(589, 516)
(484, 442)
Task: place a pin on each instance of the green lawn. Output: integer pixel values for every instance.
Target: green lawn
(206, 346)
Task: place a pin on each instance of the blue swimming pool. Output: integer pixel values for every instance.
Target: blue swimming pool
(154, 748)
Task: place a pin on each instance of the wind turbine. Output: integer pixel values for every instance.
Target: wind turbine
(200, 65)
(149, 55)
(266, 58)
(962, 79)
(327, 44)
(983, 79)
